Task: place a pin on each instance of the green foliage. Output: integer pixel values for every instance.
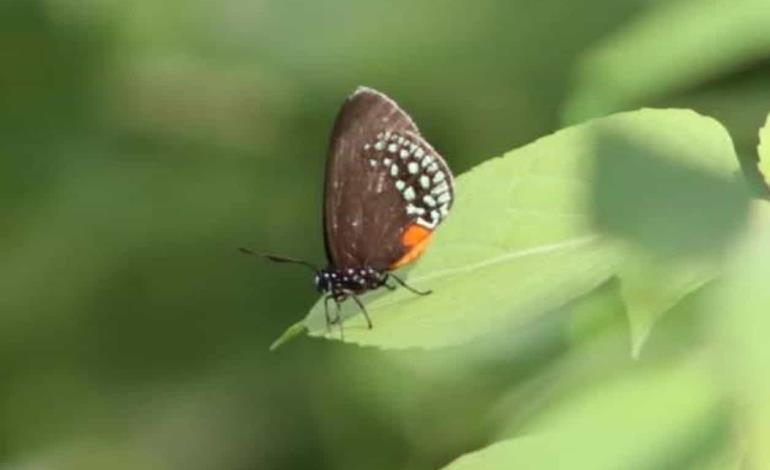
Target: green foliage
(739, 322)
(672, 46)
(531, 231)
(653, 198)
(142, 142)
(664, 414)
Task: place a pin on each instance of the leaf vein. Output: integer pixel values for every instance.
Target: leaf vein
(575, 242)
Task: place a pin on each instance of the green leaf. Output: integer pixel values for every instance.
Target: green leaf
(680, 204)
(651, 288)
(522, 238)
(740, 324)
(703, 39)
(764, 151)
(651, 419)
(672, 197)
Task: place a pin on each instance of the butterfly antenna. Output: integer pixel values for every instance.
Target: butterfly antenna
(279, 258)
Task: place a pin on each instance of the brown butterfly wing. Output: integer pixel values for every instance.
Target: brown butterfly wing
(386, 188)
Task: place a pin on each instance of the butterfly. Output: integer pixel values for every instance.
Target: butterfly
(386, 192)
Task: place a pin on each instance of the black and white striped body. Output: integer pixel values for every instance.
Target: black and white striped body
(341, 283)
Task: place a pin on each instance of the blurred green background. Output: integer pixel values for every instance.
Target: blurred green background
(142, 142)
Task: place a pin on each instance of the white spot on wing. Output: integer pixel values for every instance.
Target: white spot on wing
(413, 167)
(442, 188)
(424, 181)
(411, 209)
(431, 225)
(409, 193)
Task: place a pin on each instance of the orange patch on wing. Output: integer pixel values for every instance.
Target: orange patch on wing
(415, 238)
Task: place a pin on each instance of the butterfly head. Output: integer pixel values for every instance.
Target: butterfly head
(323, 281)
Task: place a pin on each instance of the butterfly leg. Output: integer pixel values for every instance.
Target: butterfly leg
(329, 320)
(410, 288)
(339, 320)
(337, 317)
(363, 309)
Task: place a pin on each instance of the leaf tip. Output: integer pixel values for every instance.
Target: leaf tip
(639, 337)
(291, 332)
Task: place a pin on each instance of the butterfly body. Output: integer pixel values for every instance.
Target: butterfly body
(341, 283)
(386, 191)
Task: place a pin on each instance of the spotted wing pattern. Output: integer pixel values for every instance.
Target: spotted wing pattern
(386, 190)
